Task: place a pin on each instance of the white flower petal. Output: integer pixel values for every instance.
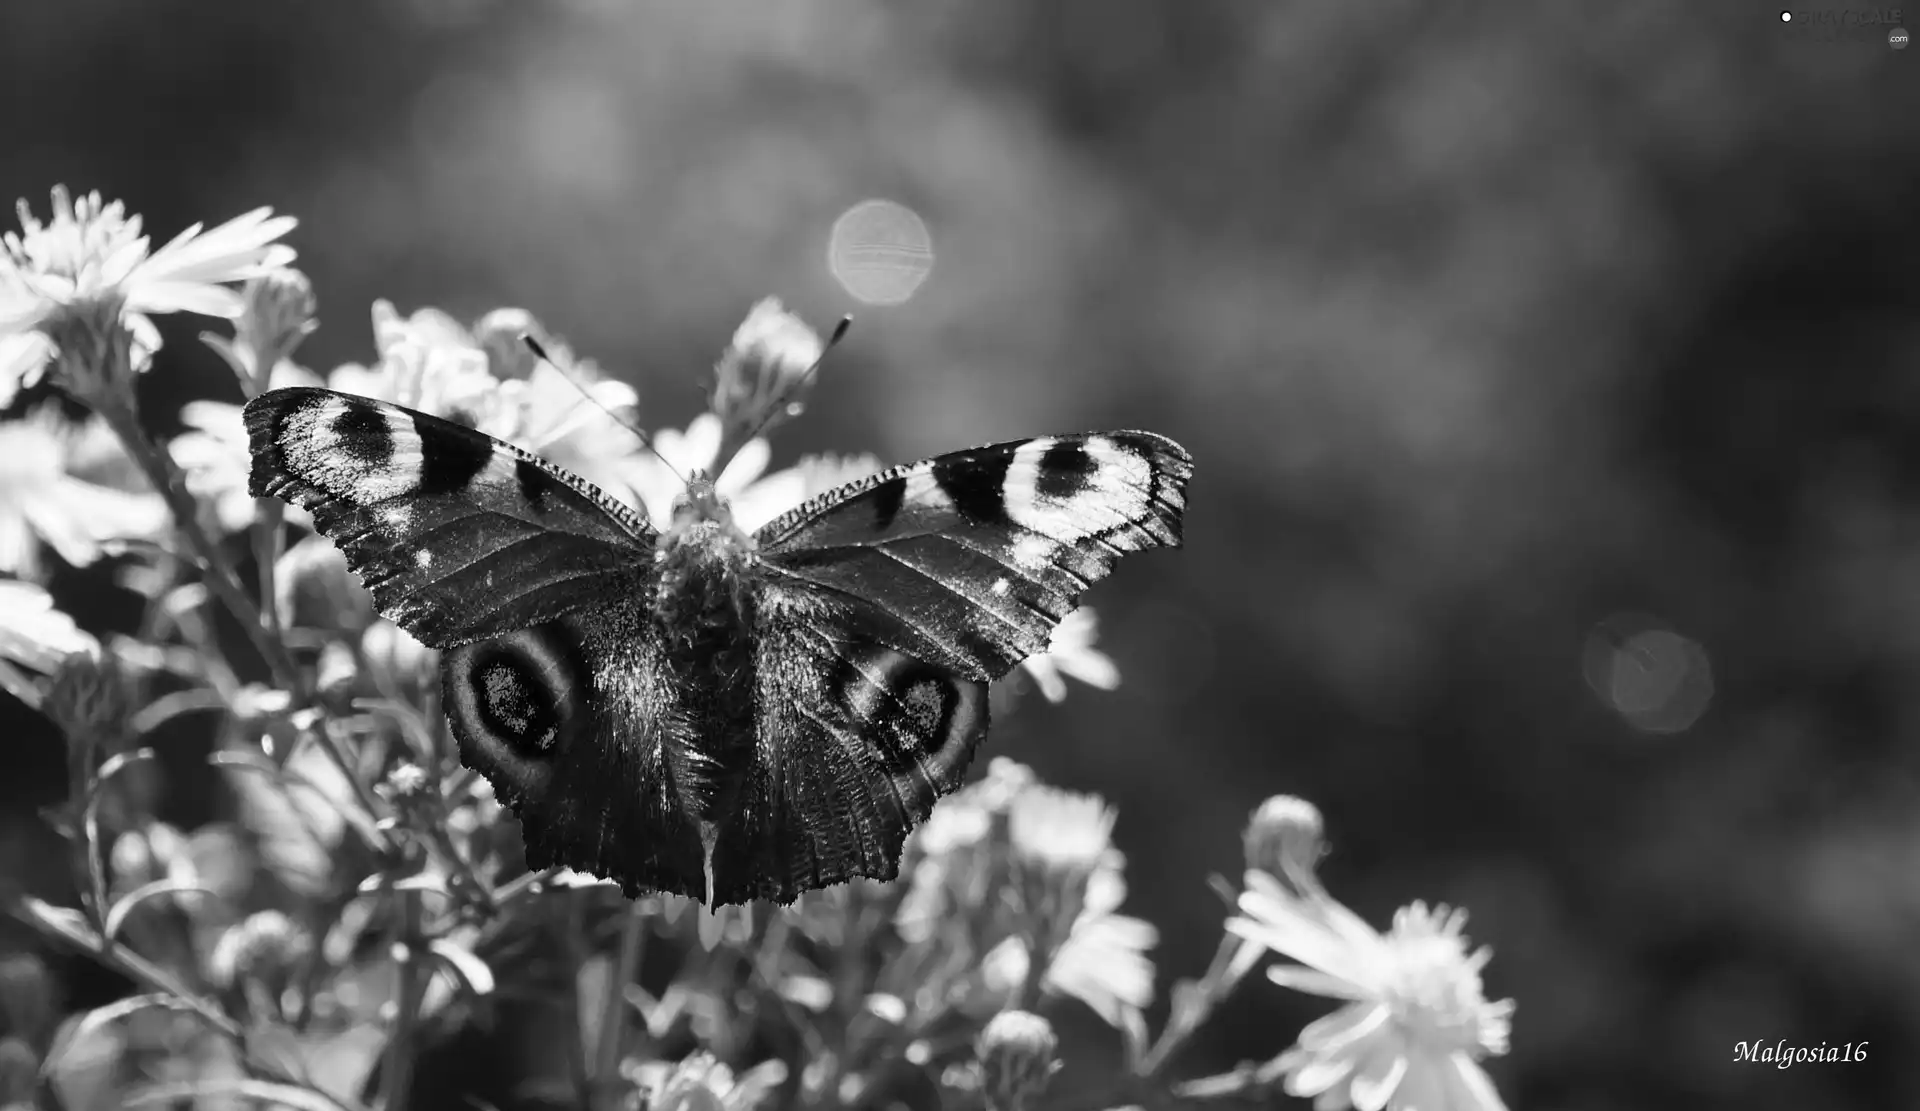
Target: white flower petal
(23, 356)
(1469, 1088)
(179, 296)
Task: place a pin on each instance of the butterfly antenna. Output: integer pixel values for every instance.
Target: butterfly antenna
(646, 441)
(806, 376)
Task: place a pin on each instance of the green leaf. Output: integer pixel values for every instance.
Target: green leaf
(169, 706)
(92, 1022)
(260, 1091)
(117, 915)
(63, 922)
(472, 969)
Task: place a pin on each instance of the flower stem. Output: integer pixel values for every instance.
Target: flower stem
(613, 1016)
(220, 574)
(396, 1074)
(1189, 1014)
(154, 980)
(269, 539)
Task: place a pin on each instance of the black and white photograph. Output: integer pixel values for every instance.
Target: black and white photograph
(1021, 555)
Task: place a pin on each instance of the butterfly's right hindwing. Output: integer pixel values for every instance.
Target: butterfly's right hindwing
(855, 741)
(458, 536)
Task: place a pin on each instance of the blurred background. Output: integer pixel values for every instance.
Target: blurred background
(1549, 371)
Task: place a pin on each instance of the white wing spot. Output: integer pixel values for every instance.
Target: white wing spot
(1002, 586)
(922, 492)
(1033, 553)
(423, 559)
(1116, 493)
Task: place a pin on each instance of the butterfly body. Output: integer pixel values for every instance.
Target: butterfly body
(700, 710)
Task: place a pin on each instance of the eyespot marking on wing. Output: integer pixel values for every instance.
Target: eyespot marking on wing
(358, 453)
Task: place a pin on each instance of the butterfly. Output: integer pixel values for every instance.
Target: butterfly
(697, 710)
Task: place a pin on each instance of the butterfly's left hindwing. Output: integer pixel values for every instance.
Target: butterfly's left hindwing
(968, 560)
(556, 680)
(458, 536)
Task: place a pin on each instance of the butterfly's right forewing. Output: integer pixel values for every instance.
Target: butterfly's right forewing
(458, 536)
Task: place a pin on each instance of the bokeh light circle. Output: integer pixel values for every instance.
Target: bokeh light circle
(1656, 679)
(880, 252)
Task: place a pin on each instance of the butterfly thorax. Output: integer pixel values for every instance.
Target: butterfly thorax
(702, 608)
(702, 560)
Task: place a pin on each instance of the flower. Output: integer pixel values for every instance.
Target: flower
(314, 589)
(427, 362)
(502, 335)
(755, 497)
(1103, 962)
(1284, 837)
(92, 254)
(561, 410)
(1018, 1054)
(263, 945)
(958, 855)
(1071, 651)
(35, 635)
(41, 498)
(90, 698)
(1416, 1022)
(568, 417)
(825, 472)
(277, 317)
(215, 457)
(699, 1082)
(761, 378)
(1058, 839)
(1068, 881)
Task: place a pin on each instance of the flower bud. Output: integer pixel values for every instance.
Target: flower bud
(313, 589)
(277, 315)
(1284, 837)
(760, 379)
(19, 1072)
(499, 335)
(407, 782)
(700, 1082)
(131, 861)
(263, 946)
(336, 672)
(90, 699)
(1018, 1056)
(28, 1007)
(1058, 839)
(395, 653)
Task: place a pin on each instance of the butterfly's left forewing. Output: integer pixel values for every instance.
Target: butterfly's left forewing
(883, 610)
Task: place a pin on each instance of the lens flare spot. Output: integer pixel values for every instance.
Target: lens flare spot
(1656, 679)
(880, 252)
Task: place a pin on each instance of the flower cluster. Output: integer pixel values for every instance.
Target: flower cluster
(366, 893)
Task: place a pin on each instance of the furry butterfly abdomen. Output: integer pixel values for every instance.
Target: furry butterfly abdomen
(701, 711)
